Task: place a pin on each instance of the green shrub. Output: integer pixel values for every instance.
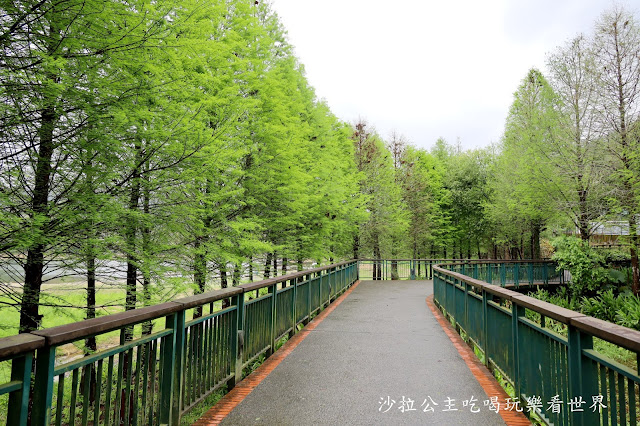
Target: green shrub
(585, 265)
(605, 306)
(629, 312)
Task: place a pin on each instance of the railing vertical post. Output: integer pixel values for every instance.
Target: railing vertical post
(516, 275)
(531, 277)
(169, 365)
(503, 274)
(412, 269)
(320, 292)
(454, 305)
(237, 338)
(294, 315)
(517, 311)
(475, 271)
(583, 376)
(273, 291)
(309, 299)
(43, 386)
(489, 272)
(332, 274)
(485, 328)
(545, 273)
(466, 306)
(179, 332)
(19, 400)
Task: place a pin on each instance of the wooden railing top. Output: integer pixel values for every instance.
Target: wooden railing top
(208, 297)
(21, 343)
(617, 334)
(26, 342)
(256, 285)
(77, 330)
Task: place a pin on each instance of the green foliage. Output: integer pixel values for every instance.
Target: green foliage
(559, 298)
(629, 313)
(585, 265)
(160, 146)
(605, 306)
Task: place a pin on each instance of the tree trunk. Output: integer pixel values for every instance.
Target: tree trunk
(223, 275)
(377, 266)
(267, 266)
(224, 283)
(199, 272)
(356, 246)
(250, 269)
(535, 242)
(130, 238)
(275, 264)
(147, 326)
(284, 270)
(90, 342)
(30, 317)
(236, 274)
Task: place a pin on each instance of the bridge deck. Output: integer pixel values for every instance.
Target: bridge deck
(380, 345)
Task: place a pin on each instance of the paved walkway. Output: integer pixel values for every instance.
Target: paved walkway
(380, 346)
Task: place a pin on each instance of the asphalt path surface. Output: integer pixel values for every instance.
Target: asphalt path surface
(380, 358)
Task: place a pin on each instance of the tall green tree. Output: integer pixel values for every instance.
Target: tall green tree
(617, 62)
(577, 155)
(525, 165)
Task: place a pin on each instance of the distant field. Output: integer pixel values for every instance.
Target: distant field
(65, 302)
(67, 297)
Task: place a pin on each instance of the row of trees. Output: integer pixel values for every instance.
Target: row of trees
(574, 135)
(155, 143)
(176, 146)
(569, 161)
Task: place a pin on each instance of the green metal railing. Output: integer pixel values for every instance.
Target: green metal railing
(398, 269)
(504, 273)
(199, 344)
(510, 273)
(543, 350)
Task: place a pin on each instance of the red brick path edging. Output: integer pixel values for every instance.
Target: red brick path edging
(480, 372)
(218, 412)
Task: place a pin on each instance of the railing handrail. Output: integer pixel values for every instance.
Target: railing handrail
(19, 344)
(613, 333)
(12, 346)
(539, 358)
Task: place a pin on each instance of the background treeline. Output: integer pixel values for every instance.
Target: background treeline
(568, 163)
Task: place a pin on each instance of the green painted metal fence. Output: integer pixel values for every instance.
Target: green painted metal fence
(504, 273)
(398, 269)
(546, 352)
(199, 344)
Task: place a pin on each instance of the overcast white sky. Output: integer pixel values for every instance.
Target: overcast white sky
(429, 69)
